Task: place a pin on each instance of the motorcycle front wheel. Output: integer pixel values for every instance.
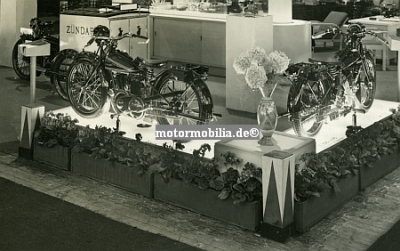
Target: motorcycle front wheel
(303, 113)
(60, 68)
(183, 103)
(20, 63)
(85, 89)
(367, 84)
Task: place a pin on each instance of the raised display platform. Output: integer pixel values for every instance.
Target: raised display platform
(331, 133)
(129, 126)
(335, 131)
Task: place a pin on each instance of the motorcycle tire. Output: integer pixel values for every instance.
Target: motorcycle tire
(190, 104)
(20, 63)
(59, 69)
(89, 99)
(366, 91)
(302, 124)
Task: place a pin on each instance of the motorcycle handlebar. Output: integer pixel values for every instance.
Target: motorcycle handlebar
(333, 29)
(380, 39)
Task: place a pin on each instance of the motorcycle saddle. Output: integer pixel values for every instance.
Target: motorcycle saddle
(329, 59)
(155, 62)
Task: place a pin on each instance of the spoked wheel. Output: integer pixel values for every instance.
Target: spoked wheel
(367, 84)
(60, 69)
(186, 101)
(20, 63)
(86, 93)
(304, 119)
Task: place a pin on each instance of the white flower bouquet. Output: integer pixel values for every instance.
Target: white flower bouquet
(260, 69)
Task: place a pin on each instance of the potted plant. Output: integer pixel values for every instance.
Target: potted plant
(103, 154)
(195, 183)
(54, 138)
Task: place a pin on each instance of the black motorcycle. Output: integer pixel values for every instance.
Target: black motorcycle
(54, 66)
(334, 86)
(177, 95)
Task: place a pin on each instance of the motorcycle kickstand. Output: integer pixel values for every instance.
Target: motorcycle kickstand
(118, 122)
(353, 129)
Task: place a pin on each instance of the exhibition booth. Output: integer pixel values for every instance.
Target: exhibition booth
(283, 182)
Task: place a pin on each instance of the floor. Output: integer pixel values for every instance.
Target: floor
(37, 221)
(355, 226)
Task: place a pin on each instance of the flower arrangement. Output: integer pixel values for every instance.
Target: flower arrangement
(261, 70)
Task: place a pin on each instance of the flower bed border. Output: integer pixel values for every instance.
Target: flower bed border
(247, 215)
(311, 211)
(114, 173)
(385, 165)
(57, 156)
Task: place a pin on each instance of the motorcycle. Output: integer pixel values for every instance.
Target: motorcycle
(54, 66)
(332, 87)
(110, 77)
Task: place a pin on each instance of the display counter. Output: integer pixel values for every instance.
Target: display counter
(188, 36)
(187, 14)
(200, 37)
(76, 29)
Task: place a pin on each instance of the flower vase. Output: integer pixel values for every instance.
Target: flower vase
(267, 117)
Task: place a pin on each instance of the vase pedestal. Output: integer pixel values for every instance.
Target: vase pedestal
(278, 170)
(251, 151)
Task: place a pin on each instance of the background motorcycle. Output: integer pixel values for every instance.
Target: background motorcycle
(178, 95)
(334, 86)
(54, 66)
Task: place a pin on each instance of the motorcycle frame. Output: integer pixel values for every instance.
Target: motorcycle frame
(101, 55)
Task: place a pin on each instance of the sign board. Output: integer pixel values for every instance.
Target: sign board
(76, 31)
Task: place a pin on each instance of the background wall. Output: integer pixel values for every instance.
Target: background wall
(13, 15)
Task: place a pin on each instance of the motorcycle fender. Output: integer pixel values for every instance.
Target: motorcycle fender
(69, 52)
(86, 54)
(304, 74)
(294, 89)
(369, 53)
(202, 88)
(163, 74)
(205, 97)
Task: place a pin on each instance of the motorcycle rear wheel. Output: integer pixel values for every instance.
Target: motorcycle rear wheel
(60, 67)
(20, 63)
(304, 124)
(189, 102)
(89, 99)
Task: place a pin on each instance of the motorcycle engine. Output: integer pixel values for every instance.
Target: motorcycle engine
(132, 83)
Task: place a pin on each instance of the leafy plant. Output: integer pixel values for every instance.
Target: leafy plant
(230, 159)
(205, 174)
(197, 169)
(108, 144)
(244, 186)
(57, 129)
(317, 172)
